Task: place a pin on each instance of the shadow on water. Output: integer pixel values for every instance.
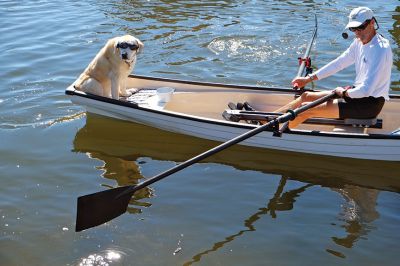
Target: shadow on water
(121, 145)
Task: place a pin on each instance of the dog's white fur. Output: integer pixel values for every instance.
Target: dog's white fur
(107, 73)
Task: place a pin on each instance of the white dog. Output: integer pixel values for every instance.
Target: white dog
(107, 73)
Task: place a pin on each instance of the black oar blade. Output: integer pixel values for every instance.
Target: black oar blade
(98, 208)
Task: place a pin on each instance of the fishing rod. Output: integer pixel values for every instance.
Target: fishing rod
(305, 61)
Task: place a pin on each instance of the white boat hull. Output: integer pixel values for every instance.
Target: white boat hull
(329, 144)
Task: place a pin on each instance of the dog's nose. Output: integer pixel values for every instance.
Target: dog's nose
(124, 56)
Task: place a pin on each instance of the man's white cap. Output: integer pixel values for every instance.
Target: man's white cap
(358, 16)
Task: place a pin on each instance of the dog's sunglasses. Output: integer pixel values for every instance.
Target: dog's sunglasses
(361, 27)
(125, 45)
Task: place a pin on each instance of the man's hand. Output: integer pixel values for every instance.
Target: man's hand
(300, 82)
(340, 91)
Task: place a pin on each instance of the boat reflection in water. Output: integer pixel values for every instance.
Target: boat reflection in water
(121, 145)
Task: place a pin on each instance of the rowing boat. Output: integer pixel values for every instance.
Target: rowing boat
(196, 108)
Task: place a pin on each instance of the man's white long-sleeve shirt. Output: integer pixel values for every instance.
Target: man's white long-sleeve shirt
(373, 62)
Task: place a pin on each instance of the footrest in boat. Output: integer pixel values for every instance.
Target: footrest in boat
(230, 117)
(362, 122)
(239, 106)
(238, 115)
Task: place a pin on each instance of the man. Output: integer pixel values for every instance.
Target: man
(372, 56)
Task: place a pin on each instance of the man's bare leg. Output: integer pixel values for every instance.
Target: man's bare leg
(305, 97)
(329, 109)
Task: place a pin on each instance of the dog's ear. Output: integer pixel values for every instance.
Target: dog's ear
(116, 46)
(141, 46)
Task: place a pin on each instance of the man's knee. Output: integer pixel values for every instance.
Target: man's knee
(309, 96)
(305, 95)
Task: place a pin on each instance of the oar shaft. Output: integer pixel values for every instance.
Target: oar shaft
(202, 156)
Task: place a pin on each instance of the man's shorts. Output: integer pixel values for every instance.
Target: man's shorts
(360, 108)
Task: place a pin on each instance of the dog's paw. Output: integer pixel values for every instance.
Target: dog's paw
(128, 92)
(132, 91)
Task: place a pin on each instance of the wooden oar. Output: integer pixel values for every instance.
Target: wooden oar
(98, 208)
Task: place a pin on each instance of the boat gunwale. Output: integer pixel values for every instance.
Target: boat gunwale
(232, 86)
(73, 92)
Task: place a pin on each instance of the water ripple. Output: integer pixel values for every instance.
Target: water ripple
(46, 44)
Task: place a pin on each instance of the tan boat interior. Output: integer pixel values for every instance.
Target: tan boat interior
(210, 102)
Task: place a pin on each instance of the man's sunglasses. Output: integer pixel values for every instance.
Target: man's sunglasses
(125, 45)
(361, 27)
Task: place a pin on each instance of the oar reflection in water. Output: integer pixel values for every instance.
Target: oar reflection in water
(281, 201)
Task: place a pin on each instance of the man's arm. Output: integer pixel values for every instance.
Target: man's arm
(346, 59)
